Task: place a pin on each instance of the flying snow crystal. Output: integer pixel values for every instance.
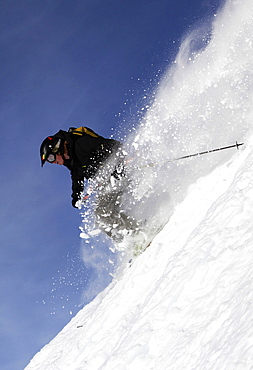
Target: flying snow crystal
(186, 302)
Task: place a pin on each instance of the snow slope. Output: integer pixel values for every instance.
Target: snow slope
(186, 302)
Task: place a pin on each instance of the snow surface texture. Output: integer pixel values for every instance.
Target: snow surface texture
(187, 301)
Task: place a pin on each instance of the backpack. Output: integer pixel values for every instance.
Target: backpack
(80, 131)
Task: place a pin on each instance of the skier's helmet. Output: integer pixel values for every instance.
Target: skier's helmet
(49, 148)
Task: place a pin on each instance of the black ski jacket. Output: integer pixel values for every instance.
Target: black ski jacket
(87, 154)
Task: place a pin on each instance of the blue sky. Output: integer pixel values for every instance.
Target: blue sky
(65, 63)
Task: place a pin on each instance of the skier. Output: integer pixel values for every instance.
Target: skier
(82, 151)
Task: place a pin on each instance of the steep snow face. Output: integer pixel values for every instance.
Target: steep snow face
(186, 302)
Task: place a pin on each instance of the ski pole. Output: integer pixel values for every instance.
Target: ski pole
(236, 145)
(210, 151)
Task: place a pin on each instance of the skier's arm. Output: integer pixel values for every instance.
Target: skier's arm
(77, 189)
(90, 153)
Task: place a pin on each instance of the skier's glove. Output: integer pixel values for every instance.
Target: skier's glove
(75, 202)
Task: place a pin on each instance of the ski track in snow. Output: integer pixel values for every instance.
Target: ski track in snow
(187, 301)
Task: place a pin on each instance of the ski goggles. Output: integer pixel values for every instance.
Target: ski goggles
(51, 158)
